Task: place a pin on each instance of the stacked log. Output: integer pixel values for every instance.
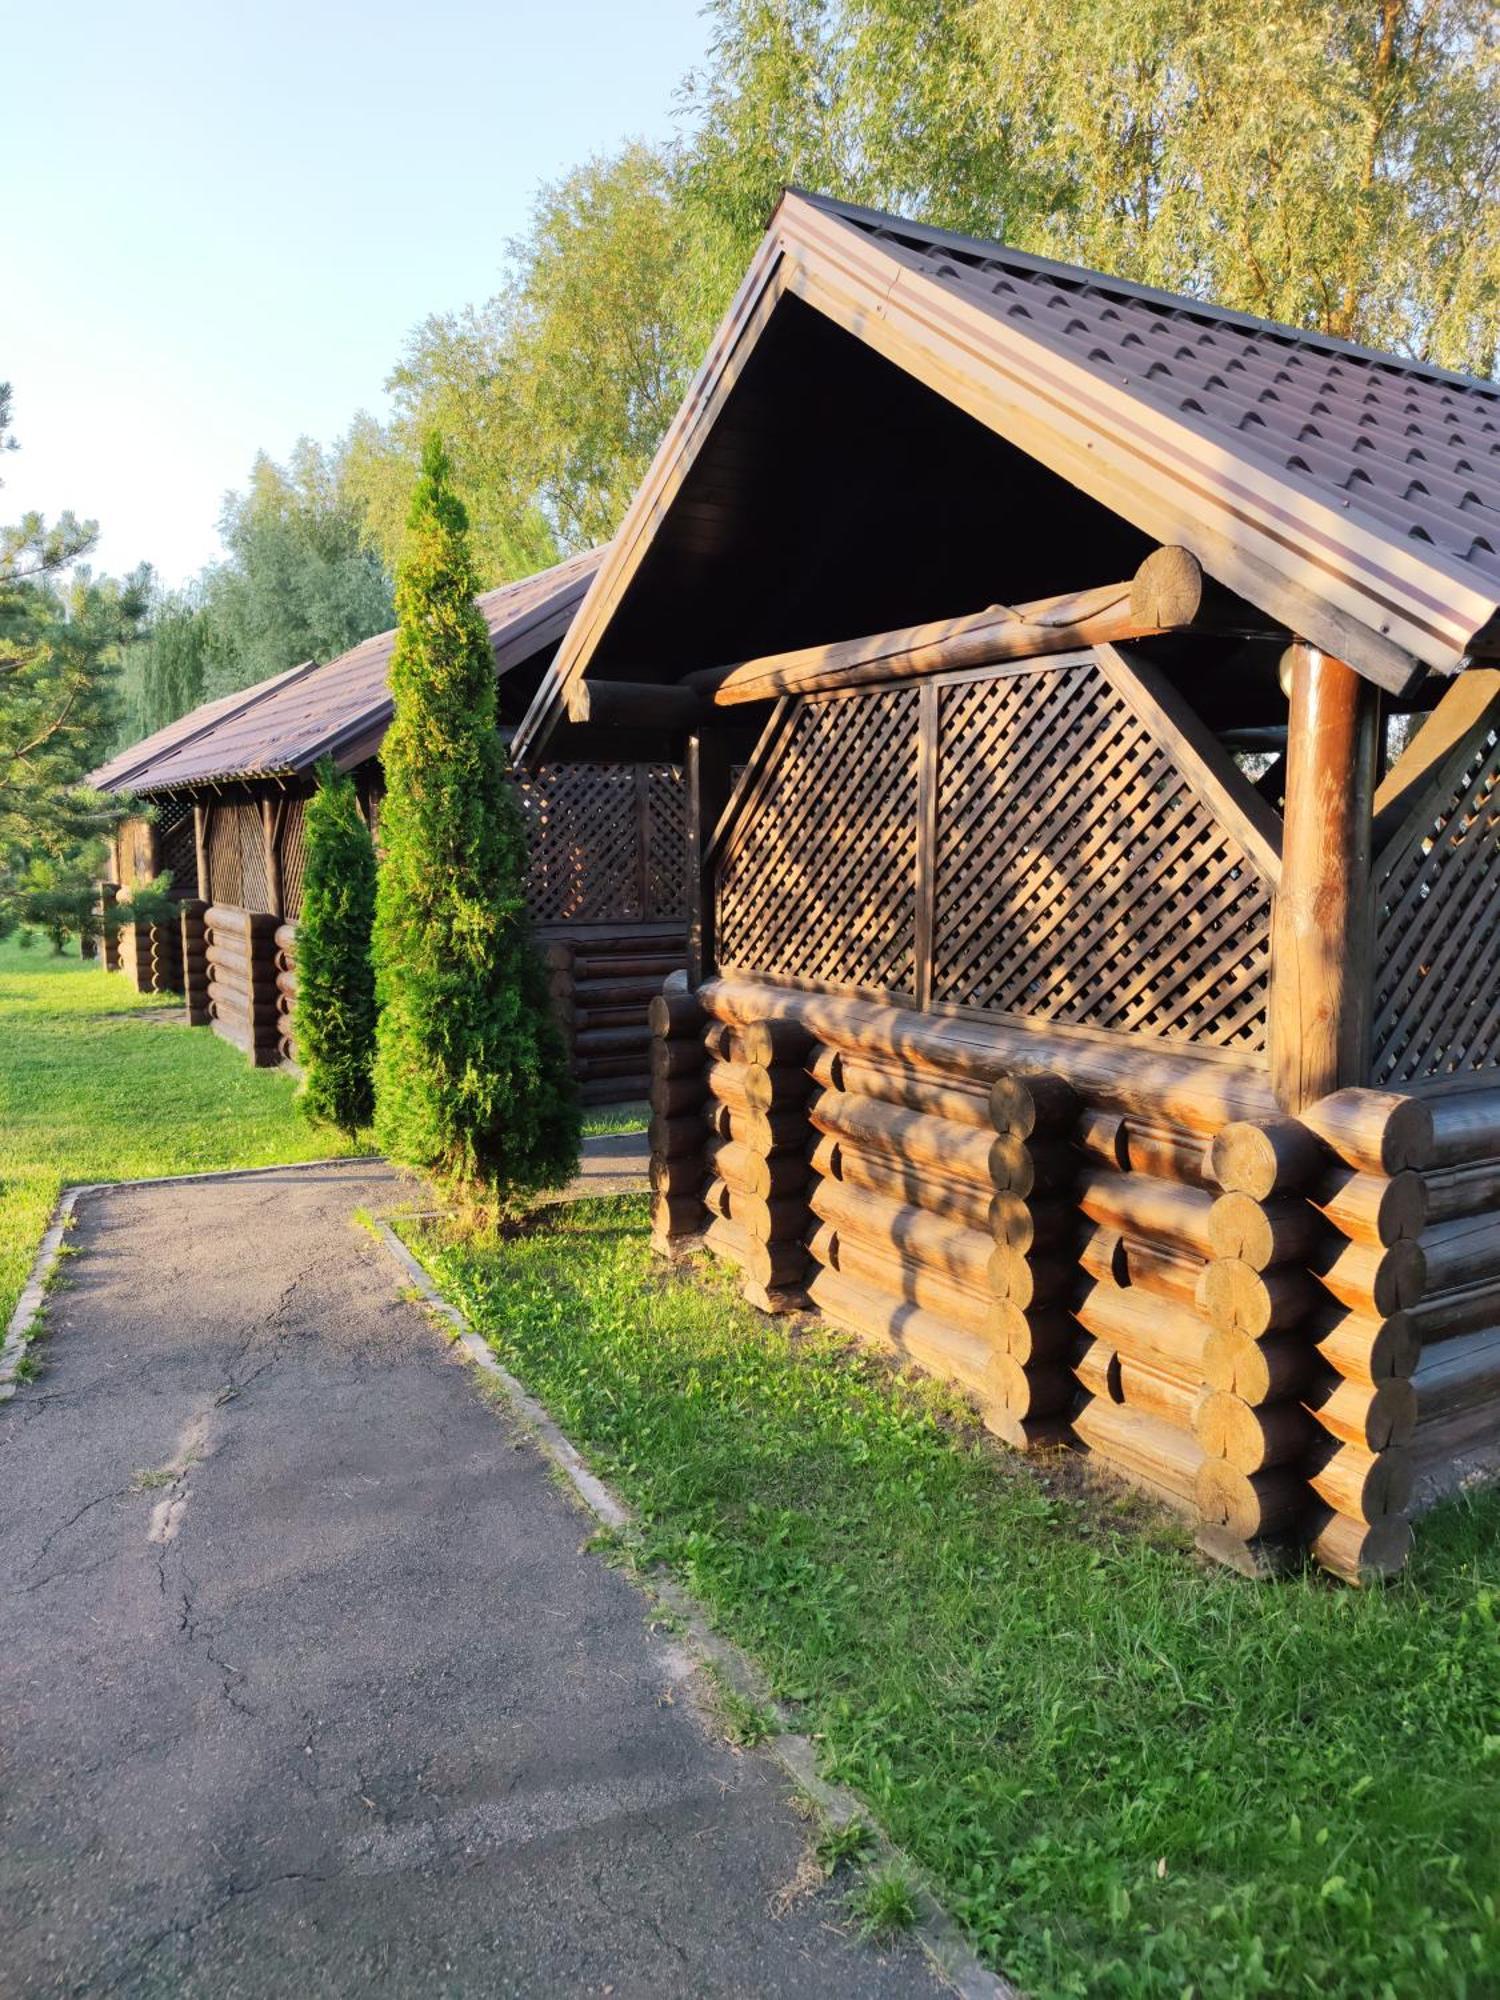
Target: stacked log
(1318, 1275)
(1034, 1268)
(194, 963)
(754, 1193)
(601, 988)
(677, 1133)
(242, 997)
(109, 939)
(1456, 1436)
(150, 956)
(285, 940)
(1144, 1202)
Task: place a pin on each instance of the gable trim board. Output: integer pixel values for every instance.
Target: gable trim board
(1327, 569)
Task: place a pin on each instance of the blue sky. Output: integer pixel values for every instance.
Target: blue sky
(220, 220)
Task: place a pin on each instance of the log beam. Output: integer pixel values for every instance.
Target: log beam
(1168, 593)
(1321, 934)
(637, 705)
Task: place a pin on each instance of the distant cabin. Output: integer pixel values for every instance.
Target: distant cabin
(1089, 703)
(227, 785)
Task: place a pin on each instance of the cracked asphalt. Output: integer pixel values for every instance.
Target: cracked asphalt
(307, 1682)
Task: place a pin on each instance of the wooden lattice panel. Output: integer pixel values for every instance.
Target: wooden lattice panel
(178, 848)
(1081, 872)
(225, 874)
(821, 886)
(584, 822)
(237, 856)
(293, 858)
(666, 851)
(253, 857)
(1437, 956)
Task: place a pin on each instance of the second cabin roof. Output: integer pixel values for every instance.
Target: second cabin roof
(339, 709)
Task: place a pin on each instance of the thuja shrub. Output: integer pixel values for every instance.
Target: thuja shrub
(472, 1083)
(334, 1015)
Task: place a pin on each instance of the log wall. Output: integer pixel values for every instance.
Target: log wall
(1274, 1325)
(243, 1004)
(602, 982)
(285, 939)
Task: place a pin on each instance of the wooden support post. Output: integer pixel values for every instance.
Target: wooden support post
(200, 845)
(1321, 935)
(708, 784)
(272, 817)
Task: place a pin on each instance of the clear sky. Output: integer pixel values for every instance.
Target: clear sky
(221, 220)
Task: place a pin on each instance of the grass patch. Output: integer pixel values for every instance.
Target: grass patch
(1126, 1772)
(885, 1904)
(599, 1119)
(98, 1084)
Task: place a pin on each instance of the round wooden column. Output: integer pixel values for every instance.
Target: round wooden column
(1322, 932)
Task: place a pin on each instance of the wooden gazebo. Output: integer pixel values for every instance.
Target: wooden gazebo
(227, 784)
(1094, 986)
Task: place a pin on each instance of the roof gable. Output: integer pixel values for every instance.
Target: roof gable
(1354, 498)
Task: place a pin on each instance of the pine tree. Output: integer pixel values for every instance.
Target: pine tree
(334, 1017)
(471, 1079)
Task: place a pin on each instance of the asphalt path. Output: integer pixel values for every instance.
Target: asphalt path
(308, 1683)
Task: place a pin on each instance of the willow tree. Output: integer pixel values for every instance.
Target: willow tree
(472, 1083)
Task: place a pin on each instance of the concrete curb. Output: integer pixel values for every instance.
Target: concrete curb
(49, 1250)
(936, 1931)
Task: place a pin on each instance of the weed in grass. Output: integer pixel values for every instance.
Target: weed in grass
(885, 1903)
(741, 1721)
(1040, 1692)
(840, 1846)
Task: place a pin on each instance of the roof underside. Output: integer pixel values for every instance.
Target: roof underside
(283, 726)
(896, 425)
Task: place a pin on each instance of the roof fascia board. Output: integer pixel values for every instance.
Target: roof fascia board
(1302, 565)
(738, 332)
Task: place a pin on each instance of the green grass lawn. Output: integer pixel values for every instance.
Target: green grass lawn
(100, 1083)
(1128, 1773)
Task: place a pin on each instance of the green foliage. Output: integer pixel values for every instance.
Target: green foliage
(300, 582)
(149, 902)
(1327, 166)
(1126, 1773)
(334, 1017)
(471, 1079)
(61, 634)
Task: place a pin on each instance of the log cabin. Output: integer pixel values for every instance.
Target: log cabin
(1089, 700)
(226, 786)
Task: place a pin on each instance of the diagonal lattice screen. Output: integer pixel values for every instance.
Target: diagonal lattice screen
(666, 855)
(1437, 955)
(1082, 874)
(607, 842)
(822, 884)
(293, 858)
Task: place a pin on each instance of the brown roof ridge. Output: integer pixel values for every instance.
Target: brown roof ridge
(877, 220)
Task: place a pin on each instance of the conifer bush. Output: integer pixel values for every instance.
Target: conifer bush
(472, 1083)
(334, 1015)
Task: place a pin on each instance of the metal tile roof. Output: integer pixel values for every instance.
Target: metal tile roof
(1414, 447)
(340, 709)
(1352, 496)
